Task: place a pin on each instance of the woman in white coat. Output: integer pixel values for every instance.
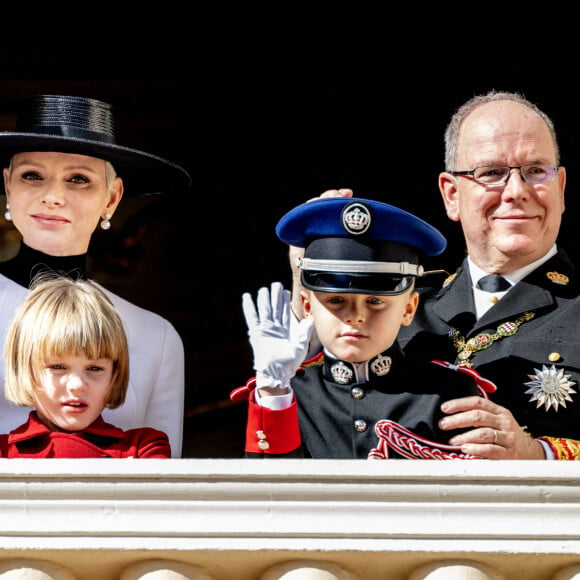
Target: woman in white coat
(64, 175)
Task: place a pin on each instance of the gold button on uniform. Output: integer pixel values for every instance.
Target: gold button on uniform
(554, 356)
(262, 442)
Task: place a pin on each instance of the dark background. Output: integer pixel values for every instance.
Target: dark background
(261, 131)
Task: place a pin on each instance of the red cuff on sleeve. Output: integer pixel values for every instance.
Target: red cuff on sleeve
(272, 432)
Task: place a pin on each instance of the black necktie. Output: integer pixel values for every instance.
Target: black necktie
(493, 283)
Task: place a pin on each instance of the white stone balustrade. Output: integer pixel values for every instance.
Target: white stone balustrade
(241, 519)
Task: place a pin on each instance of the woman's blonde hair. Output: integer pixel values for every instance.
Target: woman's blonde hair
(62, 316)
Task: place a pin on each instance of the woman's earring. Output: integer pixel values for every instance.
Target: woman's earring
(7, 214)
(106, 224)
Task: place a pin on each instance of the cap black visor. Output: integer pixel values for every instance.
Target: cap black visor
(377, 284)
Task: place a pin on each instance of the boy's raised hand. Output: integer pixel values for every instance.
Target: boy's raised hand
(278, 349)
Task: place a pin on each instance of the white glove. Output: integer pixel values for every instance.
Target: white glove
(277, 352)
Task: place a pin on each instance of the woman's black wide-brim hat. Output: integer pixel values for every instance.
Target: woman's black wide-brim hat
(85, 126)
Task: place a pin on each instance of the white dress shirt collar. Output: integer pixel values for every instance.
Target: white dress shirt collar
(485, 300)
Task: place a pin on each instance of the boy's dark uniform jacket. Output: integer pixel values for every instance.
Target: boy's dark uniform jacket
(332, 420)
(544, 351)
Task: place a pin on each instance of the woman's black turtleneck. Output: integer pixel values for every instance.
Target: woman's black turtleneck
(28, 262)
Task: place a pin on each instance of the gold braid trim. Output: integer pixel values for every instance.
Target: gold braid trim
(315, 360)
(564, 449)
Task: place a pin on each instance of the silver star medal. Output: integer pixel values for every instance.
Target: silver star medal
(550, 387)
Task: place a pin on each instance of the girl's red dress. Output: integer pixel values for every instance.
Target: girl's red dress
(99, 439)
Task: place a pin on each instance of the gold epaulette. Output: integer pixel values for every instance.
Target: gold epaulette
(449, 279)
(315, 360)
(564, 449)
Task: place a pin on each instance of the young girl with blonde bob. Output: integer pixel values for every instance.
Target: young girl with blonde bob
(66, 356)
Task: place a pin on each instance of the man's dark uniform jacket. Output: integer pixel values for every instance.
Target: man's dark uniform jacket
(534, 359)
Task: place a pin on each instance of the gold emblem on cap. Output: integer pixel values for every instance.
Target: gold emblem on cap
(356, 218)
(558, 278)
(554, 356)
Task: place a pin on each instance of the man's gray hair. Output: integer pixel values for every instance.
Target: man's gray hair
(452, 131)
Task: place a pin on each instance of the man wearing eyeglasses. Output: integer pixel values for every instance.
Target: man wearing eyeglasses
(512, 309)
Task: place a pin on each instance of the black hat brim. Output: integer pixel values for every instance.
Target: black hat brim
(142, 173)
(356, 283)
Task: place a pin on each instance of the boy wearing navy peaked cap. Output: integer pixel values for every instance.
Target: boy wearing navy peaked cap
(358, 245)
(362, 397)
